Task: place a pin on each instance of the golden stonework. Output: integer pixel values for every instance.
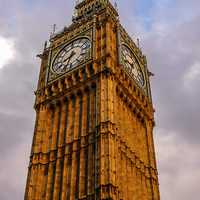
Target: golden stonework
(93, 136)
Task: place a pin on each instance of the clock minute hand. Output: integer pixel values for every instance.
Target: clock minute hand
(69, 57)
(131, 64)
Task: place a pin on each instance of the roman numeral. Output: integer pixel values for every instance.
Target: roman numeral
(83, 53)
(86, 45)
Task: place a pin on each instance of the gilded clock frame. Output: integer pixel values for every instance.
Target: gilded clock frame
(139, 63)
(51, 76)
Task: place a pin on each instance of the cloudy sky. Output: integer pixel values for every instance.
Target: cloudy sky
(169, 31)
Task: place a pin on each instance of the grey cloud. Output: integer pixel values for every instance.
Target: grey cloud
(14, 170)
(9, 137)
(29, 26)
(172, 47)
(178, 164)
(173, 54)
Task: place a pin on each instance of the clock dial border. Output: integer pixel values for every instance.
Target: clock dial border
(143, 86)
(77, 63)
(52, 76)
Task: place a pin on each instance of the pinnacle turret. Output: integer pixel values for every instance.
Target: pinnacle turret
(87, 8)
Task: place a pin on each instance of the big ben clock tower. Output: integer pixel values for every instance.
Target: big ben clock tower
(93, 137)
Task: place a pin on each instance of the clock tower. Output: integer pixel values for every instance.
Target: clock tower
(93, 136)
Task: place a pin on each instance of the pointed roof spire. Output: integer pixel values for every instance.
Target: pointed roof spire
(80, 3)
(85, 8)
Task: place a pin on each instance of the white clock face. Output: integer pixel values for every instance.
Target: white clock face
(71, 55)
(132, 66)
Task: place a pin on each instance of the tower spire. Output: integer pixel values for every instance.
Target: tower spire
(87, 8)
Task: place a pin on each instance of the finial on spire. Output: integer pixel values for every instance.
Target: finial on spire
(138, 43)
(75, 12)
(45, 45)
(77, 2)
(116, 6)
(54, 28)
(53, 31)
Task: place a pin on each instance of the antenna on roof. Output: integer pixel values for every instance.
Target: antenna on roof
(74, 16)
(53, 31)
(77, 2)
(138, 43)
(116, 6)
(54, 28)
(45, 45)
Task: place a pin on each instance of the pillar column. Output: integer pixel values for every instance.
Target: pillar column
(83, 149)
(51, 148)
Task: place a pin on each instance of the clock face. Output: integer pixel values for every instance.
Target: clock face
(71, 55)
(132, 66)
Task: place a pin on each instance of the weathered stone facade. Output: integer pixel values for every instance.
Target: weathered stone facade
(93, 136)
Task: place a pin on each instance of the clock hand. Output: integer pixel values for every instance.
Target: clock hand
(69, 57)
(131, 64)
